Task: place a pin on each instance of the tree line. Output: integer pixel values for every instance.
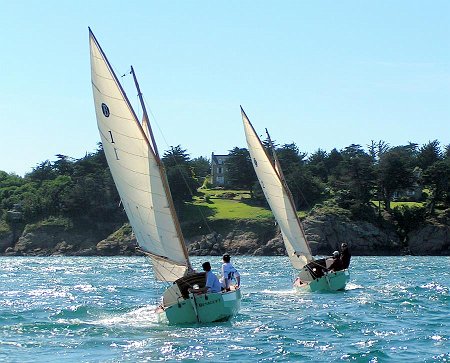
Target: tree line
(362, 182)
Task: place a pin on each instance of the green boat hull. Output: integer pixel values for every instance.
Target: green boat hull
(202, 308)
(333, 281)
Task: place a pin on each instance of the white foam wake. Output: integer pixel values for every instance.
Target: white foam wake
(142, 317)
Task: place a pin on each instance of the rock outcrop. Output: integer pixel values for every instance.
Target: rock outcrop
(122, 242)
(241, 237)
(432, 239)
(326, 233)
(6, 240)
(48, 239)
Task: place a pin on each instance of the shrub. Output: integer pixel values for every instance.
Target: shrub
(408, 218)
(207, 183)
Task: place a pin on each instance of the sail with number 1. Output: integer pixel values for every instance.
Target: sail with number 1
(139, 176)
(312, 273)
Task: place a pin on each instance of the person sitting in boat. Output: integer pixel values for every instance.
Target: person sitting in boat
(212, 282)
(345, 256)
(329, 261)
(229, 273)
(336, 263)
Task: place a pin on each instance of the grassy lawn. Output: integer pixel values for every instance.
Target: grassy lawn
(212, 204)
(232, 209)
(407, 204)
(225, 193)
(398, 204)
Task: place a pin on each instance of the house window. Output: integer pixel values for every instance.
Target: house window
(220, 179)
(220, 161)
(219, 170)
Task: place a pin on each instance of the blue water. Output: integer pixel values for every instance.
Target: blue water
(86, 309)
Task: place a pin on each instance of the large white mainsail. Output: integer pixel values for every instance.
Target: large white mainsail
(137, 172)
(279, 199)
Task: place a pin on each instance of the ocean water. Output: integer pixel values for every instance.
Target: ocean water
(100, 309)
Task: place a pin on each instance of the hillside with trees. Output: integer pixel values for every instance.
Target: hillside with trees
(398, 189)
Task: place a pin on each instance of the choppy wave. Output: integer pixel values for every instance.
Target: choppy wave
(102, 309)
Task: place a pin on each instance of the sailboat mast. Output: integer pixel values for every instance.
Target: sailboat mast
(174, 214)
(152, 150)
(144, 111)
(162, 171)
(288, 191)
(165, 182)
(275, 159)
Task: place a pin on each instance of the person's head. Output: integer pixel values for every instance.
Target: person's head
(206, 266)
(226, 258)
(336, 254)
(344, 245)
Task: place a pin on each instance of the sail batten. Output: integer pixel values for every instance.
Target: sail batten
(279, 198)
(137, 172)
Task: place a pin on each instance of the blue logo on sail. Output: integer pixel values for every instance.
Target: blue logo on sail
(105, 109)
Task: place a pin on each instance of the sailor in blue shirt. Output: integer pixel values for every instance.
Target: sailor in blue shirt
(212, 282)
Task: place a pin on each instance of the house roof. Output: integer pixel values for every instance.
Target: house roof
(214, 157)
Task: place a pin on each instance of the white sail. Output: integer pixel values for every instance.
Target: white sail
(136, 172)
(278, 197)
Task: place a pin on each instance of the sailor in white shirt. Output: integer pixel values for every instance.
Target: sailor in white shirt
(229, 273)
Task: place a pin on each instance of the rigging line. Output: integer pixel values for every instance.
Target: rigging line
(169, 283)
(155, 260)
(296, 184)
(299, 189)
(125, 74)
(177, 164)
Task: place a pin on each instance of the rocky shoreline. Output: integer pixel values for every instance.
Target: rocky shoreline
(243, 237)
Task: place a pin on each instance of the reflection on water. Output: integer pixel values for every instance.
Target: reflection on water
(102, 309)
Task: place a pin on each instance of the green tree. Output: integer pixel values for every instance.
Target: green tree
(306, 189)
(10, 186)
(52, 193)
(334, 158)
(395, 172)
(437, 178)
(201, 168)
(239, 170)
(182, 182)
(64, 165)
(289, 157)
(376, 149)
(93, 195)
(41, 172)
(317, 164)
(428, 154)
(354, 180)
(447, 152)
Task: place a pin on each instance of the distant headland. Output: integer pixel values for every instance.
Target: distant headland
(381, 200)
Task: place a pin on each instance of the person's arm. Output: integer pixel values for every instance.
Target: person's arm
(225, 278)
(202, 290)
(238, 278)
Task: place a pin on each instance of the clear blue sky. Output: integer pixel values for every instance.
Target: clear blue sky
(322, 74)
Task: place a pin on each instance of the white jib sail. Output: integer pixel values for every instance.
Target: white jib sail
(278, 198)
(135, 171)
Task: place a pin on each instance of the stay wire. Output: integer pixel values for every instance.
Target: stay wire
(177, 164)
